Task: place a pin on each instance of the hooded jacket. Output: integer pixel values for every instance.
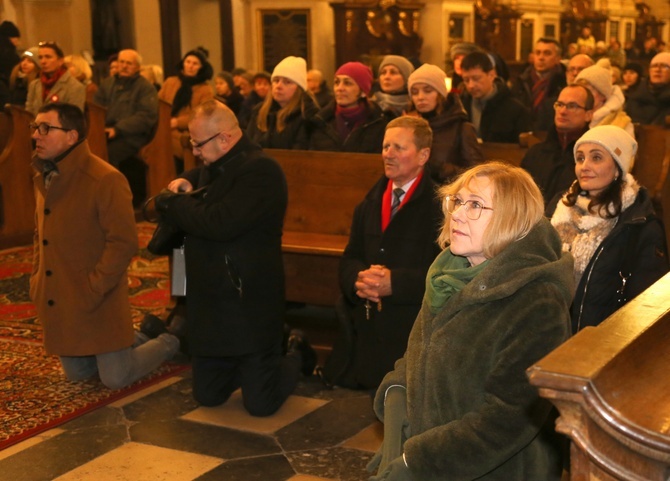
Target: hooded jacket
(648, 105)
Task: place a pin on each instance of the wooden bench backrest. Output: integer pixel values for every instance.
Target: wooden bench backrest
(325, 187)
(509, 153)
(611, 387)
(17, 201)
(5, 129)
(97, 140)
(158, 153)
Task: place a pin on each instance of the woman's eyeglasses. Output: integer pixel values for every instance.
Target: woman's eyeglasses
(473, 208)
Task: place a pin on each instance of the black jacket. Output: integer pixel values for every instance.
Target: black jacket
(295, 133)
(503, 118)
(407, 247)
(366, 138)
(596, 296)
(647, 106)
(234, 268)
(522, 89)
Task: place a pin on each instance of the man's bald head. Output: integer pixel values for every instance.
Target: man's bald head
(576, 64)
(214, 130)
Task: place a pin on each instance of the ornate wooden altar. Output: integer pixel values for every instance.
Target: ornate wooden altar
(580, 14)
(496, 27)
(376, 28)
(646, 25)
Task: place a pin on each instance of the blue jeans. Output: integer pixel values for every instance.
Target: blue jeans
(118, 369)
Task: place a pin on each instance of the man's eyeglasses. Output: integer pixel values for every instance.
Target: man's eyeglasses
(473, 208)
(199, 145)
(662, 66)
(44, 128)
(571, 106)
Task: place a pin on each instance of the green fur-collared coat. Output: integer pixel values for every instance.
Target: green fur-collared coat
(472, 412)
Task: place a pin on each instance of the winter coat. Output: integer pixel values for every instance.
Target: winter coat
(597, 297)
(455, 147)
(407, 247)
(612, 113)
(542, 119)
(132, 108)
(472, 412)
(647, 105)
(366, 138)
(234, 268)
(552, 167)
(295, 133)
(85, 239)
(67, 89)
(503, 117)
(201, 93)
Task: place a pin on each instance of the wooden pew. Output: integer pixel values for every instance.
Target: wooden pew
(97, 140)
(5, 128)
(323, 188)
(158, 153)
(17, 201)
(510, 153)
(611, 386)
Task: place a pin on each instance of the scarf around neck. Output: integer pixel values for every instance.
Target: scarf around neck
(448, 275)
(582, 231)
(182, 97)
(49, 81)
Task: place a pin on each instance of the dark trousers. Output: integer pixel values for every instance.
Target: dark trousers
(125, 157)
(267, 378)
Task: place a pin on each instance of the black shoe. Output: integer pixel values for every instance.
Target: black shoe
(153, 326)
(297, 343)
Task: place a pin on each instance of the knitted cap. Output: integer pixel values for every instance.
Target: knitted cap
(31, 53)
(293, 68)
(8, 29)
(431, 75)
(635, 67)
(463, 48)
(361, 74)
(598, 77)
(619, 143)
(663, 57)
(401, 63)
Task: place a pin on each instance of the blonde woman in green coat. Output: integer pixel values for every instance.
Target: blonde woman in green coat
(458, 405)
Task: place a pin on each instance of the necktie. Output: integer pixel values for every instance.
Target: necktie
(397, 193)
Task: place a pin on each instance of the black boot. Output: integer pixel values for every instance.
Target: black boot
(297, 343)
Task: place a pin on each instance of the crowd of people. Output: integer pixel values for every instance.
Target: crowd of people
(458, 275)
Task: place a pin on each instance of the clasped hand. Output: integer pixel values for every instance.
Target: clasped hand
(373, 283)
(163, 198)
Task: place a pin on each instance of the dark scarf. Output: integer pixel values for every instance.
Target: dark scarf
(567, 137)
(183, 96)
(49, 82)
(346, 120)
(541, 86)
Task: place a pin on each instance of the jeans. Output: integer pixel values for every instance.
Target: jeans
(120, 368)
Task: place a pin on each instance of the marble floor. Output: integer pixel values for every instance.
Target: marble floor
(161, 433)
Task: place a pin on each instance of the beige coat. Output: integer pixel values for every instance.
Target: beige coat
(85, 238)
(201, 93)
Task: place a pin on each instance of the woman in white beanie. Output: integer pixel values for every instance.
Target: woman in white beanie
(455, 147)
(608, 98)
(280, 121)
(24, 72)
(607, 221)
(394, 71)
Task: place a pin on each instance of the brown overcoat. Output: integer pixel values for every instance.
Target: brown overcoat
(85, 237)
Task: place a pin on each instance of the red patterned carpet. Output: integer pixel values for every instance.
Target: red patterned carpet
(34, 395)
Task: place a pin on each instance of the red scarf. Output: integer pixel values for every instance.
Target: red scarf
(387, 200)
(49, 82)
(346, 120)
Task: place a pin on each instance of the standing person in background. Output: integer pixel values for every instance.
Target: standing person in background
(351, 122)
(10, 36)
(280, 122)
(455, 146)
(55, 83)
(185, 91)
(22, 75)
(458, 404)
(606, 220)
(393, 97)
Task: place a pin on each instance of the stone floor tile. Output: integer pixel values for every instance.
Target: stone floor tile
(369, 439)
(265, 468)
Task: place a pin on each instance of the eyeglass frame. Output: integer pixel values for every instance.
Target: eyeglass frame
(572, 106)
(43, 125)
(465, 203)
(662, 66)
(200, 145)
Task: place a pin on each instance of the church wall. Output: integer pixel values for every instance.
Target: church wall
(200, 26)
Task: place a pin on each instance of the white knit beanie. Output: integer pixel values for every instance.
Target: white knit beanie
(293, 68)
(619, 143)
(431, 75)
(599, 77)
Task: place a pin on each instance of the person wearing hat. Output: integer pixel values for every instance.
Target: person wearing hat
(631, 75)
(649, 104)
(393, 97)
(185, 91)
(606, 220)
(351, 122)
(27, 70)
(280, 122)
(9, 58)
(608, 99)
(55, 83)
(226, 92)
(495, 114)
(454, 147)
